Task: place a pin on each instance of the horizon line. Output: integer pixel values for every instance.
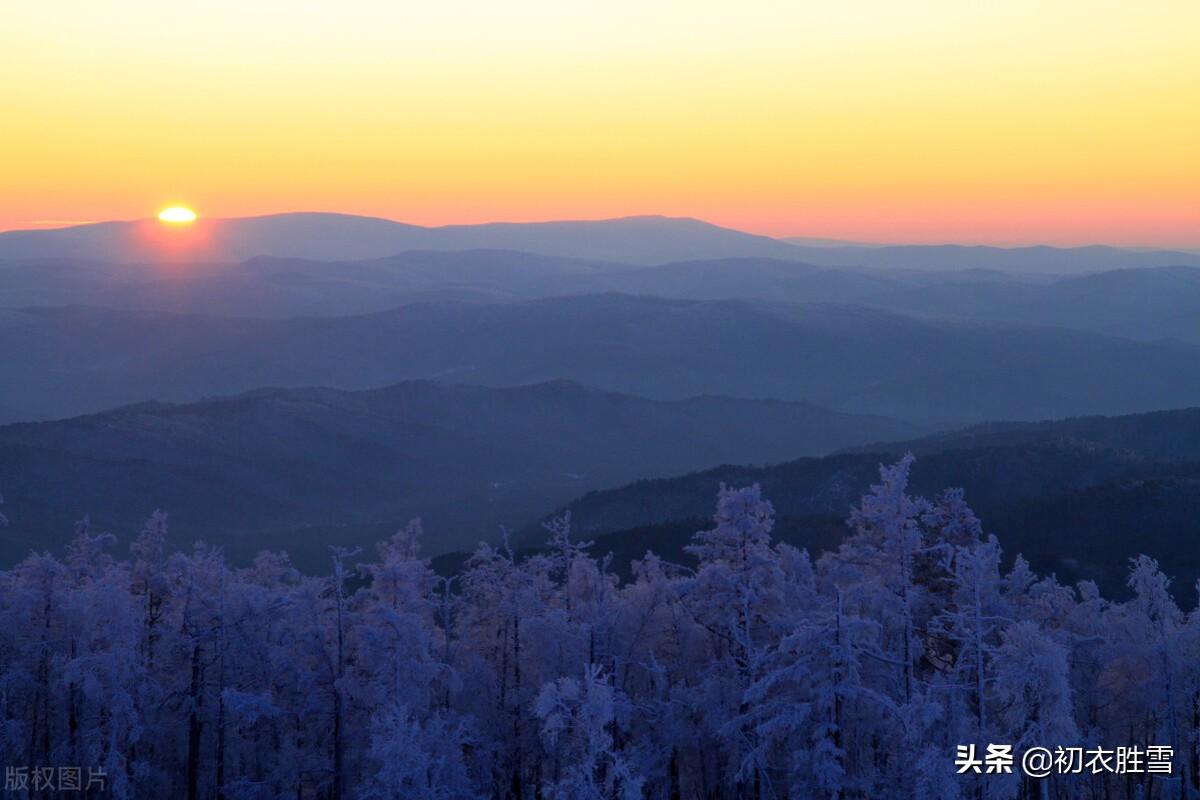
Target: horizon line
(830, 241)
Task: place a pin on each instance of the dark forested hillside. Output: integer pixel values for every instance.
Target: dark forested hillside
(269, 466)
(1076, 496)
(1157, 436)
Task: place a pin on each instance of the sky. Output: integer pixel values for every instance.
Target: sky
(1057, 121)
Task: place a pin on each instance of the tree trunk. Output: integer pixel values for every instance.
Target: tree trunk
(195, 728)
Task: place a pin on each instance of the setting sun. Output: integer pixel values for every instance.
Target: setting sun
(178, 215)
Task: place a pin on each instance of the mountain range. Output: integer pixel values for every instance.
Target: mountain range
(644, 240)
(1146, 303)
(71, 360)
(260, 469)
(630, 240)
(1077, 497)
(705, 345)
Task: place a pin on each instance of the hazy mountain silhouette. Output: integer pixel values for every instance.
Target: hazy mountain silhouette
(644, 240)
(266, 286)
(1146, 303)
(467, 458)
(821, 241)
(1038, 259)
(65, 361)
(630, 240)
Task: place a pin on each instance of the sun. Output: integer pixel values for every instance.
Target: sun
(177, 215)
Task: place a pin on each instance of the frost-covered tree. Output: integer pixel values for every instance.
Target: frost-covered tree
(576, 719)
(737, 597)
(753, 671)
(1033, 691)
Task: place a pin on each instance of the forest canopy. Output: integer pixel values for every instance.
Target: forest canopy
(763, 672)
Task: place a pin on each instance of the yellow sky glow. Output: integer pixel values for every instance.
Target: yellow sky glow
(1062, 121)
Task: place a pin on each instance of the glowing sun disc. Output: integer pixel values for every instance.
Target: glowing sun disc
(178, 215)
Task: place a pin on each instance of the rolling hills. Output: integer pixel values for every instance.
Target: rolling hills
(1148, 303)
(65, 361)
(257, 470)
(1078, 497)
(268, 287)
(707, 346)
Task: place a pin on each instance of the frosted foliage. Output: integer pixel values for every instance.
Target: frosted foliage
(754, 670)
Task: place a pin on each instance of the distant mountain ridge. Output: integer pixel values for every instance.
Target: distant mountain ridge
(1035, 259)
(1145, 303)
(629, 240)
(272, 287)
(66, 361)
(641, 240)
(244, 471)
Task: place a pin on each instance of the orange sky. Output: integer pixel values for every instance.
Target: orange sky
(1064, 121)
